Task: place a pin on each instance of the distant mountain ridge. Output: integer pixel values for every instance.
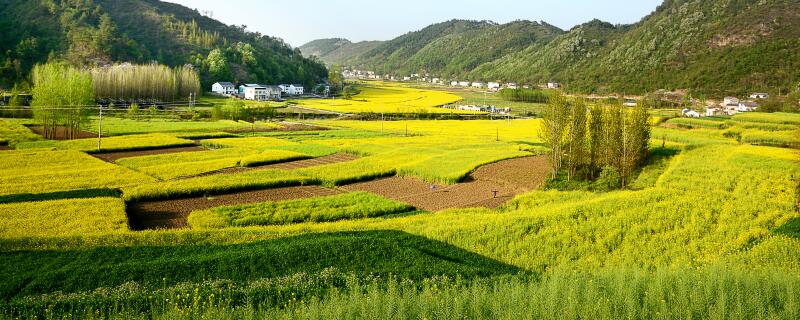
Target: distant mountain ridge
(337, 51)
(714, 47)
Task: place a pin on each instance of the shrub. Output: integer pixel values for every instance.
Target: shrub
(608, 180)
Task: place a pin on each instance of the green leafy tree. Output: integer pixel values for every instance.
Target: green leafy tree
(62, 98)
(555, 119)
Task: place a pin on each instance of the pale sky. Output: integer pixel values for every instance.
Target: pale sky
(298, 22)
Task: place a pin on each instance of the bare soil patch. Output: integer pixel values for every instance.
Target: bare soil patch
(61, 133)
(4, 147)
(334, 158)
(114, 156)
(173, 214)
(490, 186)
(285, 127)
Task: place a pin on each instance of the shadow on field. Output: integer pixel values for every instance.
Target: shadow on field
(76, 194)
(790, 228)
(360, 253)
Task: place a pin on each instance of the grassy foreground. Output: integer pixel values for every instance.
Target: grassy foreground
(715, 293)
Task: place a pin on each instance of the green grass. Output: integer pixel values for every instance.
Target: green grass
(371, 252)
(776, 118)
(764, 126)
(680, 293)
(122, 126)
(204, 135)
(270, 157)
(215, 184)
(310, 149)
(12, 133)
(784, 139)
(183, 164)
(112, 144)
(354, 205)
(63, 218)
(260, 143)
(337, 174)
(691, 123)
(479, 97)
(41, 172)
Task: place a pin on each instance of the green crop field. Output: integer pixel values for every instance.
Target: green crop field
(38, 172)
(708, 227)
(346, 206)
(121, 126)
(111, 144)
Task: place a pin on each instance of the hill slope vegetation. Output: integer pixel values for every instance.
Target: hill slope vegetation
(714, 48)
(100, 32)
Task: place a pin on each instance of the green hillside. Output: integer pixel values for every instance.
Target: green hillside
(322, 47)
(455, 47)
(337, 51)
(713, 48)
(99, 32)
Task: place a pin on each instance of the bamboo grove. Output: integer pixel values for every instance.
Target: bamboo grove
(145, 82)
(585, 141)
(62, 97)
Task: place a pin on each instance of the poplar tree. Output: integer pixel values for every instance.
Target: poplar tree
(555, 119)
(576, 145)
(62, 97)
(595, 140)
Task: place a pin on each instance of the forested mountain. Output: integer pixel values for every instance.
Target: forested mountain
(336, 50)
(455, 47)
(715, 47)
(100, 32)
(712, 47)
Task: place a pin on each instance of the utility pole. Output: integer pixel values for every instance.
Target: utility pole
(100, 129)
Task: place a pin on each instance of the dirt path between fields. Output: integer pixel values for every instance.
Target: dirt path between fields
(172, 214)
(490, 186)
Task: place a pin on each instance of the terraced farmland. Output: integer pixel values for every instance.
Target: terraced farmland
(310, 222)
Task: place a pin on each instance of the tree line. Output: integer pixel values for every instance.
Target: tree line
(145, 82)
(524, 95)
(586, 141)
(62, 98)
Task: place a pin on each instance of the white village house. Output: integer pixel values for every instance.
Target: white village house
(759, 95)
(477, 84)
(223, 88)
(747, 106)
(258, 92)
(493, 85)
(292, 89)
(453, 83)
(512, 85)
(464, 83)
(688, 113)
(730, 105)
(711, 112)
(553, 85)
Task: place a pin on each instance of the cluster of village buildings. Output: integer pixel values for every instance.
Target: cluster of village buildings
(491, 86)
(257, 92)
(489, 109)
(729, 107)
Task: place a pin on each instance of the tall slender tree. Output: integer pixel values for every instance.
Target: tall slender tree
(576, 143)
(62, 97)
(555, 119)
